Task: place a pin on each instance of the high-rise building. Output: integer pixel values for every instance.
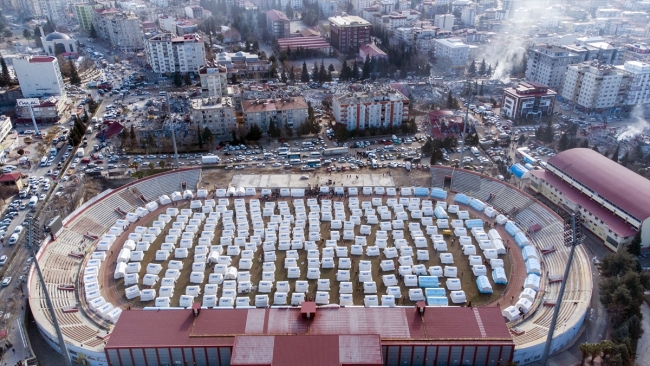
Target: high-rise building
(468, 15)
(84, 14)
(371, 108)
(547, 65)
(277, 24)
(638, 87)
(289, 112)
(452, 52)
(215, 113)
(593, 86)
(214, 80)
(167, 52)
(347, 33)
(39, 76)
(528, 99)
(444, 21)
(123, 30)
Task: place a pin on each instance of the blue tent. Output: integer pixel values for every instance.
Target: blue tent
(519, 171)
(461, 198)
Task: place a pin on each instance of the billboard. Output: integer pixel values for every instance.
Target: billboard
(28, 102)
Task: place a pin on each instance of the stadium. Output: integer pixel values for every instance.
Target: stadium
(163, 271)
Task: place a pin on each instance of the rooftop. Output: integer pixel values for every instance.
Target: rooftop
(371, 94)
(349, 21)
(610, 180)
(10, 177)
(179, 327)
(268, 105)
(303, 42)
(372, 50)
(613, 222)
(48, 59)
(530, 88)
(276, 15)
(211, 103)
(452, 42)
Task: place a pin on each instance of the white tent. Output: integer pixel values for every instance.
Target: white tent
(484, 285)
(416, 294)
(435, 271)
(528, 293)
(453, 284)
(451, 271)
(532, 282)
(394, 291)
(524, 305)
(131, 279)
(479, 270)
(388, 300)
(469, 250)
(458, 297)
(446, 258)
(147, 295)
(496, 263)
(162, 302)
(475, 260)
(120, 270)
(150, 279)
(132, 292)
(511, 313)
(209, 301)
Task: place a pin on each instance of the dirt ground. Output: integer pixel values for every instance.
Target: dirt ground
(219, 178)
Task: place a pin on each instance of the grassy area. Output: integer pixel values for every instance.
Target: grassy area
(461, 261)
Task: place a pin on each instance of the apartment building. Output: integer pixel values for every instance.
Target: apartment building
(167, 52)
(39, 76)
(451, 51)
(49, 110)
(444, 21)
(216, 113)
(468, 16)
(635, 52)
(547, 65)
(359, 5)
(243, 64)
(371, 108)
(593, 86)
(214, 80)
(288, 112)
(638, 87)
(347, 33)
(123, 30)
(528, 99)
(84, 14)
(277, 24)
(328, 7)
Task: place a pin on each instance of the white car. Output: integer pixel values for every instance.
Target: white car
(239, 167)
(275, 165)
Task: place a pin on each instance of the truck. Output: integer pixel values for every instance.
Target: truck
(33, 201)
(210, 159)
(336, 151)
(475, 151)
(80, 152)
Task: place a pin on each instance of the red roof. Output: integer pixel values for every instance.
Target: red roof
(10, 177)
(610, 180)
(149, 328)
(276, 15)
(372, 50)
(42, 59)
(613, 222)
(313, 350)
(303, 42)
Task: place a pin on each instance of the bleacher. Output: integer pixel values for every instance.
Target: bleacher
(82, 328)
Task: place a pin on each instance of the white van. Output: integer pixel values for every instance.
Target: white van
(33, 201)
(315, 154)
(13, 239)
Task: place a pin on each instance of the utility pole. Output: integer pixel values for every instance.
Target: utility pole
(465, 123)
(173, 128)
(48, 301)
(573, 237)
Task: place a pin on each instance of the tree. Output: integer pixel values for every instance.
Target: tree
(162, 164)
(489, 71)
(289, 10)
(177, 79)
(233, 79)
(132, 136)
(366, 68)
(480, 90)
(450, 100)
(483, 68)
(322, 73)
(522, 139)
(472, 68)
(254, 133)
(74, 74)
(346, 72)
(199, 136)
(304, 77)
(625, 160)
(594, 351)
(27, 34)
(615, 154)
(188, 80)
(208, 137)
(584, 349)
(292, 74)
(563, 143)
(355, 71)
(436, 151)
(283, 76)
(635, 245)
(93, 31)
(5, 78)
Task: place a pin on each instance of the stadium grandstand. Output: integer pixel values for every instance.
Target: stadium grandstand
(614, 201)
(100, 328)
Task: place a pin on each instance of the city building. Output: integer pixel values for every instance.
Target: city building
(5, 127)
(122, 30)
(84, 14)
(452, 52)
(167, 23)
(215, 113)
(11, 182)
(359, 5)
(243, 64)
(613, 200)
(214, 80)
(49, 110)
(319, 336)
(468, 16)
(39, 76)
(547, 65)
(594, 87)
(328, 7)
(60, 42)
(528, 99)
(167, 53)
(445, 123)
(319, 44)
(295, 4)
(638, 87)
(278, 24)
(184, 27)
(636, 52)
(372, 107)
(444, 21)
(371, 50)
(194, 11)
(347, 33)
(290, 112)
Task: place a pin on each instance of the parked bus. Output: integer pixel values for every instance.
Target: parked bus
(314, 163)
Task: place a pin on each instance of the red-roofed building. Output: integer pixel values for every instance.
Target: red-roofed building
(528, 99)
(334, 336)
(278, 24)
(613, 200)
(371, 50)
(11, 181)
(306, 43)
